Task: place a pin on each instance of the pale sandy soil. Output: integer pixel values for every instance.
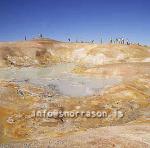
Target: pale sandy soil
(51, 75)
(49, 52)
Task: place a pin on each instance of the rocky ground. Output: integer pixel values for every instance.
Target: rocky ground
(45, 52)
(115, 79)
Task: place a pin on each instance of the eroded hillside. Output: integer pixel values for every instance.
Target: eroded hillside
(50, 76)
(44, 52)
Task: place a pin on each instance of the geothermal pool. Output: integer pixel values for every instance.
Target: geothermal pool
(67, 83)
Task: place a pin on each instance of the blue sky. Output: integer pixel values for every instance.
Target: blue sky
(78, 19)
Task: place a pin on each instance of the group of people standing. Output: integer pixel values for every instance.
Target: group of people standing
(120, 41)
(112, 41)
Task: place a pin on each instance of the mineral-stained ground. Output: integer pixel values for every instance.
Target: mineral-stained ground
(47, 75)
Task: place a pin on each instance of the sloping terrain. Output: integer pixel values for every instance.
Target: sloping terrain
(46, 75)
(44, 52)
(131, 98)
